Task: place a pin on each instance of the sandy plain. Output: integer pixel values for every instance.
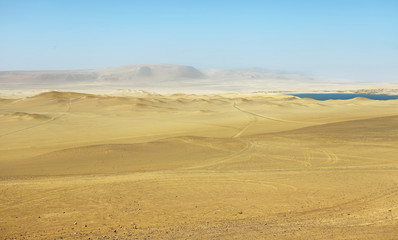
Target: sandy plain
(185, 166)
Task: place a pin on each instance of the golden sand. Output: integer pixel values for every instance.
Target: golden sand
(227, 166)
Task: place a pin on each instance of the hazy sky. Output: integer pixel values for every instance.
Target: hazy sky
(345, 39)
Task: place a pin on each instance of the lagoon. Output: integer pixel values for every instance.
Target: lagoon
(343, 96)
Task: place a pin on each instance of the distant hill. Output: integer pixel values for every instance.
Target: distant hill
(160, 77)
(120, 73)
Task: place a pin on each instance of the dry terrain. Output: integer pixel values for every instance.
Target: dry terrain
(226, 166)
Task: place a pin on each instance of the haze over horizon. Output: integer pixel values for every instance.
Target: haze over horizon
(273, 119)
(341, 39)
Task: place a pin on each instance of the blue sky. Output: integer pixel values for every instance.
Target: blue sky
(343, 39)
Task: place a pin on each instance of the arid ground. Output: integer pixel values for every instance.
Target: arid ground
(226, 166)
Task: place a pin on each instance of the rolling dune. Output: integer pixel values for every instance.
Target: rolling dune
(186, 166)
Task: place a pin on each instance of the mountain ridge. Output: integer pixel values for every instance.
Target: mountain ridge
(159, 77)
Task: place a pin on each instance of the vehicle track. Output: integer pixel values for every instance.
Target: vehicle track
(69, 108)
(248, 147)
(258, 115)
(332, 158)
(39, 197)
(273, 185)
(353, 203)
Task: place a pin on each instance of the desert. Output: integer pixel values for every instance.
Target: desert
(274, 120)
(78, 165)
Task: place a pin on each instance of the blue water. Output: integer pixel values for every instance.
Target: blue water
(343, 96)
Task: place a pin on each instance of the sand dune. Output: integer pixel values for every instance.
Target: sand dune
(185, 166)
(163, 154)
(25, 116)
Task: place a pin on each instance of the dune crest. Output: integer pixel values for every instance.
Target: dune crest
(26, 116)
(132, 164)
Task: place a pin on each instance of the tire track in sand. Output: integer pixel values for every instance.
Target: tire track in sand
(69, 107)
(248, 147)
(269, 118)
(352, 204)
(332, 158)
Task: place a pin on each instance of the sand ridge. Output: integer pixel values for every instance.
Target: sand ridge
(195, 166)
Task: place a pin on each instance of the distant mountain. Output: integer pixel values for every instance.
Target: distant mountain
(257, 73)
(157, 77)
(120, 73)
(137, 72)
